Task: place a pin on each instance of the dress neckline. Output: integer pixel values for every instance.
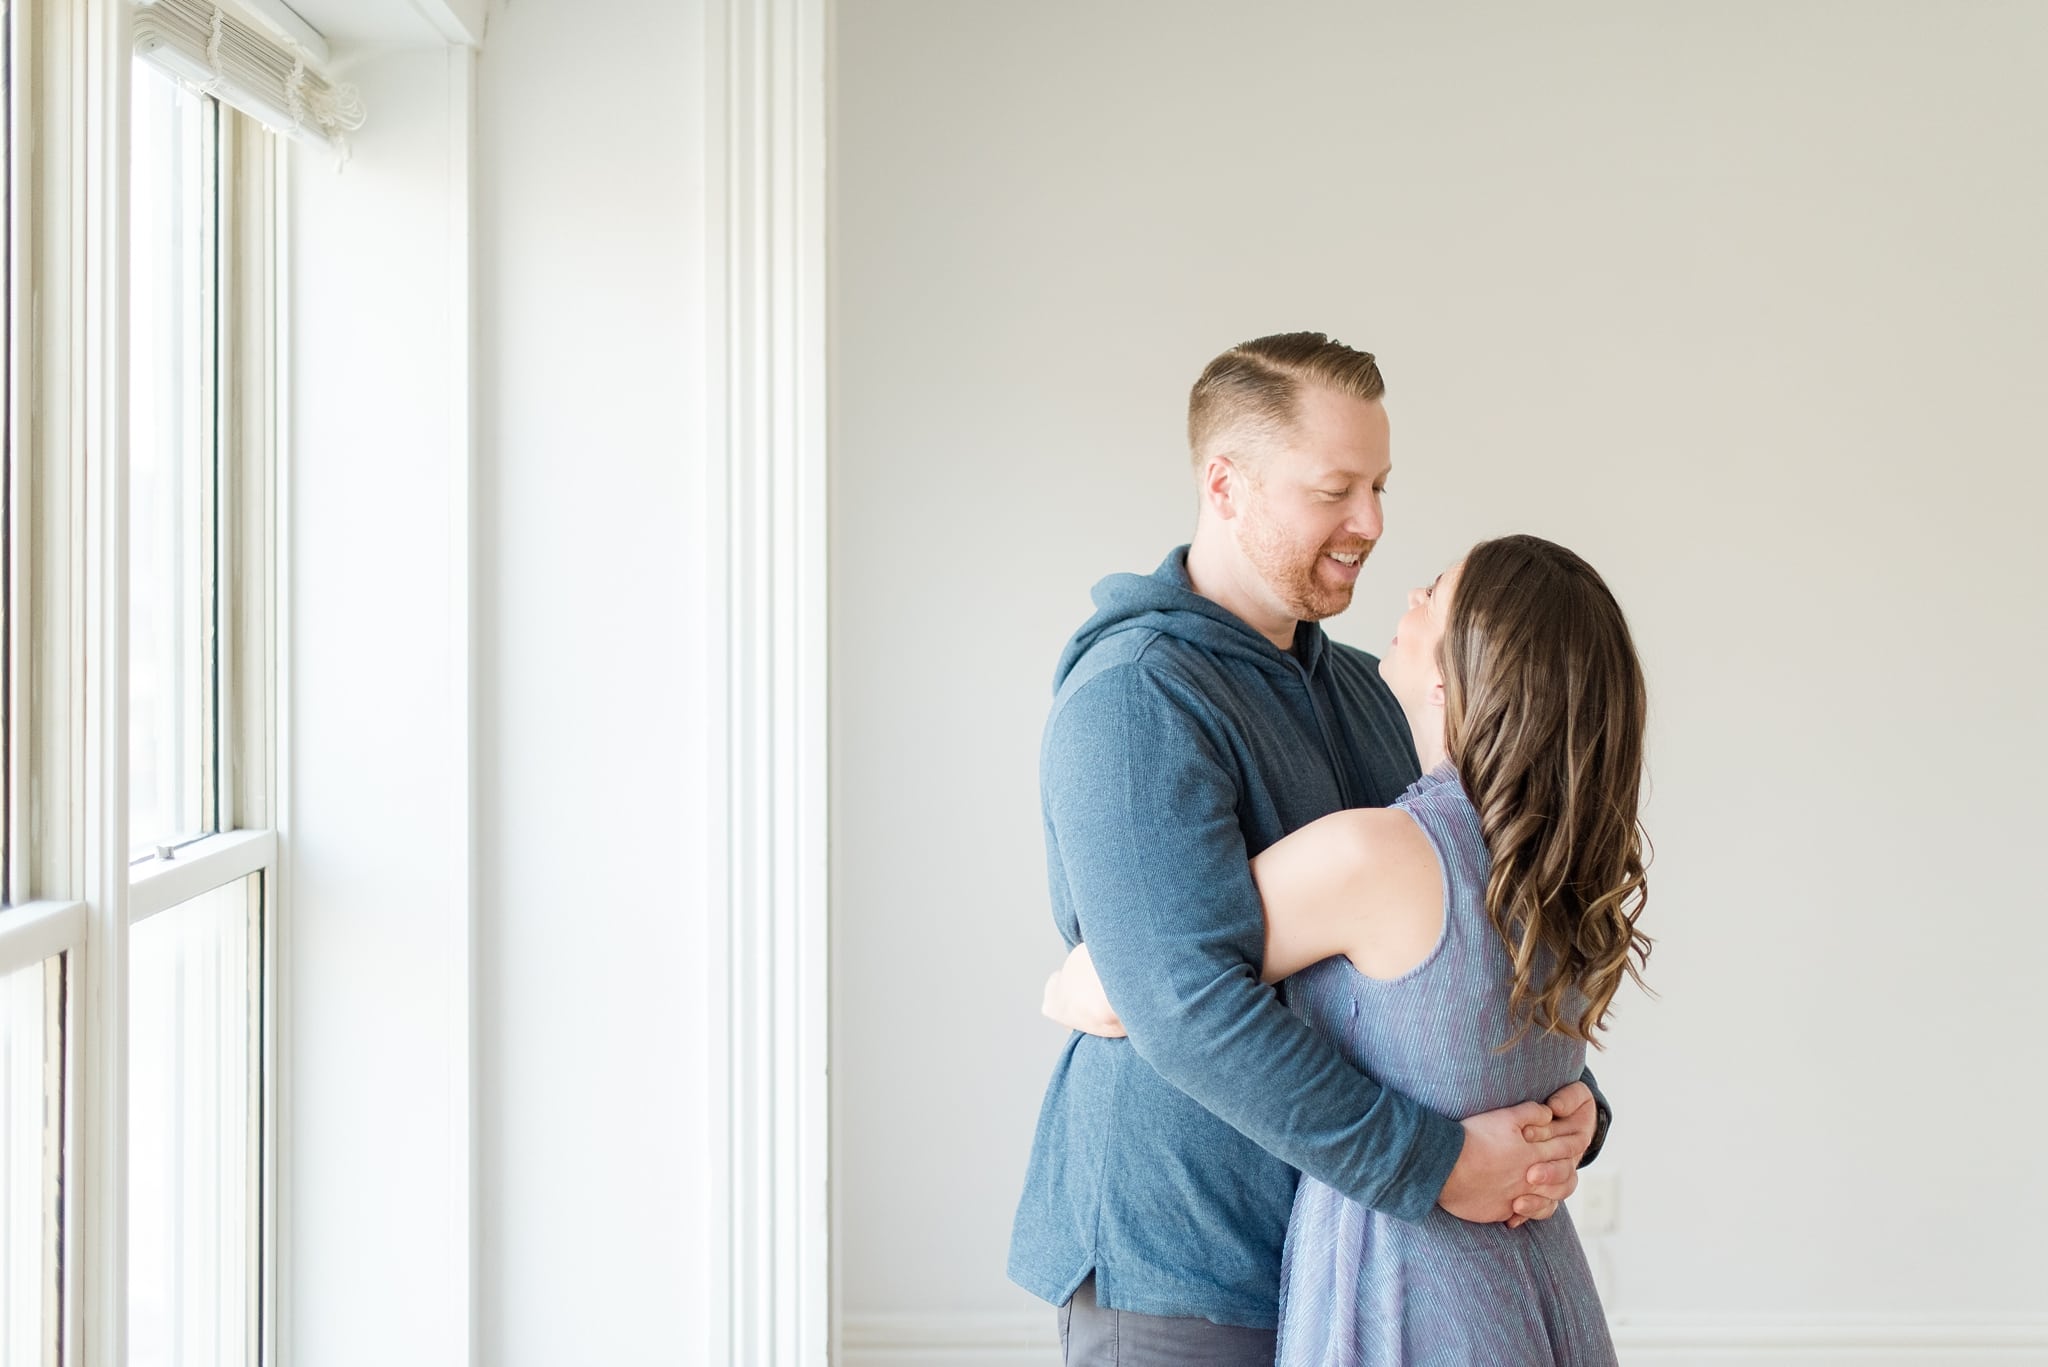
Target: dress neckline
(1444, 775)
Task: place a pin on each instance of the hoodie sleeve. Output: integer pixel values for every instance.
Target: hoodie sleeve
(1142, 806)
(1601, 1127)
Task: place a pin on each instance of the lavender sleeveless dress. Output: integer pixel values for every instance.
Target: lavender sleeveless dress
(1359, 1287)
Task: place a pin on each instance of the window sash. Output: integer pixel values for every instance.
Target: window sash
(8, 615)
(33, 1033)
(195, 1188)
(72, 889)
(240, 539)
(175, 453)
(34, 931)
(67, 567)
(195, 869)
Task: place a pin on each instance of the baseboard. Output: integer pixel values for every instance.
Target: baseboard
(1815, 1342)
(954, 1340)
(1028, 1340)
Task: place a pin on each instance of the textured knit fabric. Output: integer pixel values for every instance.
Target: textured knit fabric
(1181, 743)
(1359, 1288)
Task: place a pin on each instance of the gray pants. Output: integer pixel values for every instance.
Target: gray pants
(1091, 1336)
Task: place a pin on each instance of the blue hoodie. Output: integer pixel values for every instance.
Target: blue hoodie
(1181, 743)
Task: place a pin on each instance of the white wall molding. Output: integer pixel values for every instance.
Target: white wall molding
(1929, 1342)
(1016, 1339)
(464, 708)
(1026, 1339)
(767, 1027)
(459, 22)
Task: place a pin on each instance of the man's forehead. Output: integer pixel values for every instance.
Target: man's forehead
(1326, 465)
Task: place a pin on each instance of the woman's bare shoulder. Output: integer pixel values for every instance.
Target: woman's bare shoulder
(1400, 887)
(1357, 882)
(1381, 840)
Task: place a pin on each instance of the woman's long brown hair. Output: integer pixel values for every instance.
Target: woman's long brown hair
(1544, 718)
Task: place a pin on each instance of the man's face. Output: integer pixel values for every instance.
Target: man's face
(1310, 510)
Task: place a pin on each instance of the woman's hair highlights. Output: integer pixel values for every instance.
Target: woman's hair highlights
(1544, 717)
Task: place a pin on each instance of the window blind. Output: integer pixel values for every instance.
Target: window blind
(244, 64)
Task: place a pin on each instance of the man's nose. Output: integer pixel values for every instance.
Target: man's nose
(1366, 520)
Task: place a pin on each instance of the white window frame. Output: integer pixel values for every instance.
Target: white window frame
(72, 889)
(241, 804)
(68, 382)
(766, 1191)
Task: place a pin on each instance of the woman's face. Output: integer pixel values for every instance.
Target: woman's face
(1410, 667)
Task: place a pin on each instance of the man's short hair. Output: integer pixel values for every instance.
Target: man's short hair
(1252, 391)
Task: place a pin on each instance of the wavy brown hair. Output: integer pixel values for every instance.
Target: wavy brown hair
(1544, 717)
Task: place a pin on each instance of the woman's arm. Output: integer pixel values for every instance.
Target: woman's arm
(1074, 997)
(1363, 883)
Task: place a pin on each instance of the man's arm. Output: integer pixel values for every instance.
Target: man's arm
(1606, 1118)
(1143, 809)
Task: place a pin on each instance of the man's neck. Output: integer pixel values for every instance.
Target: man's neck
(1228, 582)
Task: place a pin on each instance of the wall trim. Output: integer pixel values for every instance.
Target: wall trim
(465, 614)
(1026, 1339)
(767, 1192)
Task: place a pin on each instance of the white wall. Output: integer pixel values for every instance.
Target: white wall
(555, 602)
(591, 749)
(1744, 302)
(375, 1071)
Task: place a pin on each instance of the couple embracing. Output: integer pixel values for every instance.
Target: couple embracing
(1434, 856)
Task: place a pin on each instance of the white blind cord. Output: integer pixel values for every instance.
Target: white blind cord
(213, 49)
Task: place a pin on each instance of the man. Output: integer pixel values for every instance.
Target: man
(1198, 717)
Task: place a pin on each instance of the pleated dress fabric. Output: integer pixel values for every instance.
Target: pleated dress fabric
(1360, 1289)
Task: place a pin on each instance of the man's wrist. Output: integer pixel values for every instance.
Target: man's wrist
(1602, 1118)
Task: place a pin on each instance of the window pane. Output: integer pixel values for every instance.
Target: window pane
(191, 1188)
(171, 446)
(6, 441)
(31, 1121)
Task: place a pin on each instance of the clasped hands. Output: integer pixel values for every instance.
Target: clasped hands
(1518, 1163)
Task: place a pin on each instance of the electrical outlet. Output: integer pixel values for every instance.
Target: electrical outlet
(1596, 1205)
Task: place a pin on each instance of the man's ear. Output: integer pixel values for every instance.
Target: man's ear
(1222, 486)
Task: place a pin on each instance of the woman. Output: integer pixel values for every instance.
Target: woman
(1463, 947)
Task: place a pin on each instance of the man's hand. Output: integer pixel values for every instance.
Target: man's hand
(1500, 1169)
(1074, 997)
(1573, 1117)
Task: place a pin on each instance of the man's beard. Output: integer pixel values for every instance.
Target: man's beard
(1289, 570)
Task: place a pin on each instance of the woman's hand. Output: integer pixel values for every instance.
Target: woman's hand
(1074, 997)
(1573, 1116)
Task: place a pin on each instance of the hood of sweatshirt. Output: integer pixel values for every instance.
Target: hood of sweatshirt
(1165, 601)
